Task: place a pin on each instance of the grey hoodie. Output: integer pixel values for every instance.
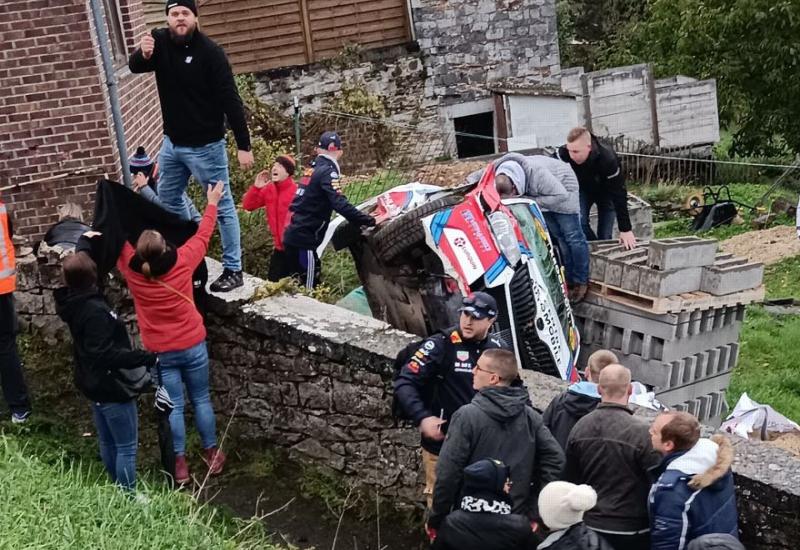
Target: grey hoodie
(550, 182)
(498, 424)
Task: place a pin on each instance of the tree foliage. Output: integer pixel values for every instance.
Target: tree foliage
(749, 46)
(587, 28)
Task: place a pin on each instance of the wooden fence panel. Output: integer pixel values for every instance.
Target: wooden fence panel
(259, 35)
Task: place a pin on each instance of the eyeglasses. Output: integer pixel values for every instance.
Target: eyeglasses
(487, 371)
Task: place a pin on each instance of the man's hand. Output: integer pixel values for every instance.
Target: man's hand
(431, 428)
(148, 45)
(139, 181)
(627, 239)
(431, 532)
(245, 159)
(215, 193)
(262, 179)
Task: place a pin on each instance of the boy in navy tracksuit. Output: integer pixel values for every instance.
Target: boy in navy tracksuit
(311, 209)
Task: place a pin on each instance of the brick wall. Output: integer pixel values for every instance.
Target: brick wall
(54, 114)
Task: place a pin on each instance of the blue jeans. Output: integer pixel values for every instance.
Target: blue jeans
(117, 432)
(605, 217)
(568, 236)
(208, 164)
(189, 368)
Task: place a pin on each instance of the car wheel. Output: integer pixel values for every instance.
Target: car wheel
(405, 232)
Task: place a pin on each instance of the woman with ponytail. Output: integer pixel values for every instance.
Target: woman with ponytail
(159, 277)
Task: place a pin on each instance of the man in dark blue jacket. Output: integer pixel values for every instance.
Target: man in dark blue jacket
(694, 493)
(315, 201)
(438, 378)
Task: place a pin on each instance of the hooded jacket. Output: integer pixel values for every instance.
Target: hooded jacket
(275, 198)
(497, 424)
(566, 409)
(100, 344)
(576, 537)
(551, 183)
(693, 495)
(601, 177)
(611, 450)
(314, 204)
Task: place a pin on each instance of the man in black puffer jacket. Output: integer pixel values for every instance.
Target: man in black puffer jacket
(499, 424)
(484, 520)
(104, 365)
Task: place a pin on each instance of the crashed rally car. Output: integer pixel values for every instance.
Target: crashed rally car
(432, 246)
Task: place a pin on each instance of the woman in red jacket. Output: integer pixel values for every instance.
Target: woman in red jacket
(274, 191)
(159, 277)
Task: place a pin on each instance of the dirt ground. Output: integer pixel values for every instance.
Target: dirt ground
(788, 442)
(767, 245)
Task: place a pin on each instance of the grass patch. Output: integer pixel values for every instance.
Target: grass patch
(769, 367)
(56, 502)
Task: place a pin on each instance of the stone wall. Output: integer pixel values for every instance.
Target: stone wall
(472, 43)
(317, 379)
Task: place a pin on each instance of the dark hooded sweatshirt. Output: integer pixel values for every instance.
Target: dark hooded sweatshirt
(101, 344)
(497, 424)
(567, 408)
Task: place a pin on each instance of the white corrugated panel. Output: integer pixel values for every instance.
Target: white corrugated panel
(540, 121)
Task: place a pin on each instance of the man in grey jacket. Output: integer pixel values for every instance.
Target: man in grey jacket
(498, 424)
(554, 187)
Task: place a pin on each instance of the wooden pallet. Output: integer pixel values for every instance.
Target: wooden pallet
(689, 301)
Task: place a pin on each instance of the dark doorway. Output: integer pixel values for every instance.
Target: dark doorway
(477, 126)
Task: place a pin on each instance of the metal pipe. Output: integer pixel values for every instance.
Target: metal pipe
(113, 94)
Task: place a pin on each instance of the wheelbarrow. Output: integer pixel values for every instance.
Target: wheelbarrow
(718, 209)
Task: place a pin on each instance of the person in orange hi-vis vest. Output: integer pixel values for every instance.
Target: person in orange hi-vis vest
(12, 380)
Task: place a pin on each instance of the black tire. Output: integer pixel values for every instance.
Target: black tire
(534, 353)
(405, 232)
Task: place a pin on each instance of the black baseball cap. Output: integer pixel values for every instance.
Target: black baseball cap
(479, 305)
(330, 141)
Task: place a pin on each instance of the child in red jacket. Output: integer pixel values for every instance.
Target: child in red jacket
(274, 190)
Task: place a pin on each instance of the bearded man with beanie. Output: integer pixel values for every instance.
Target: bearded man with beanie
(561, 506)
(484, 520)
(197, 93)
(274, 191)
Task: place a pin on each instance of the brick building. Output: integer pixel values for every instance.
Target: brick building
(56, 132)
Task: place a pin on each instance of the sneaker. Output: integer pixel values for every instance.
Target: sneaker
(181, 470)
(227, 281)
(215, 459)
(578, 293)
(20, 418)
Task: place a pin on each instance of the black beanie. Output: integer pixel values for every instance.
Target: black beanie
(487, 476)
(185, 3)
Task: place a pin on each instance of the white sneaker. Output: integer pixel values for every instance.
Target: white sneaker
(20, 418)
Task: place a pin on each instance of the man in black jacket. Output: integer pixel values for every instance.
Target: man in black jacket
(311, 209)
(611, 450)
(580, 399)
(438, 379)
(601, 182)
(197, 92)
(500, 424)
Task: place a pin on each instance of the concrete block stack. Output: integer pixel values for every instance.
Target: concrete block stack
(672, 310)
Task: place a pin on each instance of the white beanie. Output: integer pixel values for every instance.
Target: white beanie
(562, 504)
(515, 173)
